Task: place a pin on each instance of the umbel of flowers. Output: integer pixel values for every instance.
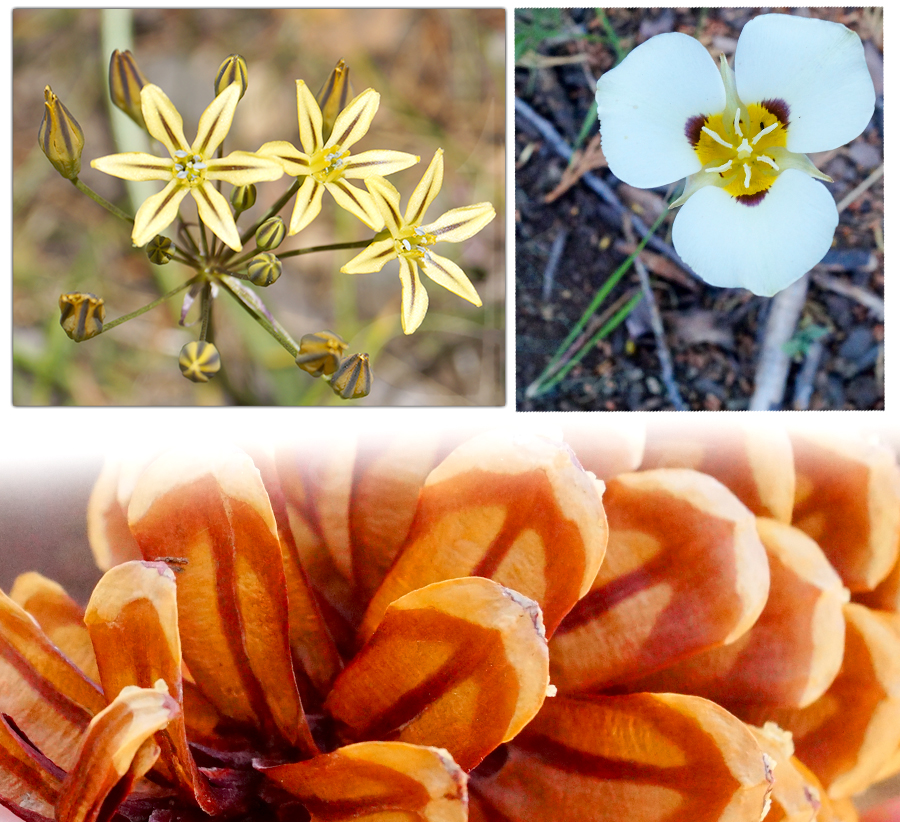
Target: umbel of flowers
(600, 628)
(214, 247)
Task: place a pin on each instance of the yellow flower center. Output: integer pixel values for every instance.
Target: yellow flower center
(188, 168)
(412, 242)
(327, 164)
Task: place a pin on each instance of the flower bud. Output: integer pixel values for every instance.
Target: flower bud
(199, 360)
(334, 96)
(353, 378)
(234, 68)
(264, 269)
(243, 197)
(159, 250)
(270, 234)
(60, 137)
(81, 315)
(320, 353)
(125, 83)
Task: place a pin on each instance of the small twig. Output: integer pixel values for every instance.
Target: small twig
(601, 189)
(871, 301)
(667, 371)
(866, 184)
(774, 362)
(803, 386)
(556, 251)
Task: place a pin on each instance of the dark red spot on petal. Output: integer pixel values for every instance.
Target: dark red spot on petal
(692, 128)
(752, 199)
(779, 108)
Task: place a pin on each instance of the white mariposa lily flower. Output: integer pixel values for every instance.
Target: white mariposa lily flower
(752, 213)
(190, 168)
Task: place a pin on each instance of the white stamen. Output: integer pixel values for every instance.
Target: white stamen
(180, 153)
(746, 175)
(723, 167)
(766, 130)
(763, 158)
(197, 158)
(199, 165)
(419, 231)
(179, 167)
(420, 248)
(181, 175)
(709, 132)
(406, 245)
(737, 123)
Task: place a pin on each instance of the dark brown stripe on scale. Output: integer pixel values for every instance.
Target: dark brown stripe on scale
(32, 751)
(61, 704)
(474, 645)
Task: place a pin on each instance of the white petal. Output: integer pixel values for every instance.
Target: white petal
(763, 248)
(817, 67)
(645, 102)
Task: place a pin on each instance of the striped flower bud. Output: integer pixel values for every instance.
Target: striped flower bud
(125, 83)
(243, 197)
(60, 136)
(81, 315)
(233, 69)
(199, 361)
(159, 250)
(270, 234)
(320, 353)
(353, 378)
(264, 269)
(334, 96)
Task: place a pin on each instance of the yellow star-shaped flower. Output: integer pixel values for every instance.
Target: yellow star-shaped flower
(410, 241)
(328, 165)
(190, 169)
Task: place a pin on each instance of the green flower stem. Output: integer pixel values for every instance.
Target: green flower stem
(179, 256)
(540, 385)
(102, 201)
(249, 255)
(126, 317)
(273, 327)
(189, 237)
(332, 247)
(203, 241)
(205, 310)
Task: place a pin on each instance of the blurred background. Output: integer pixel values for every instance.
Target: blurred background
(440, 74)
